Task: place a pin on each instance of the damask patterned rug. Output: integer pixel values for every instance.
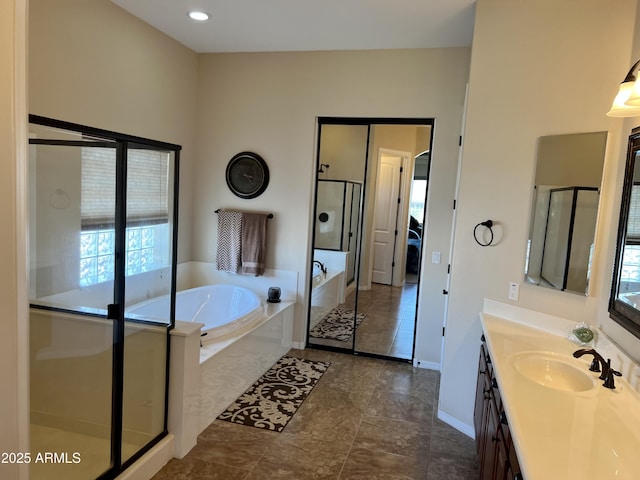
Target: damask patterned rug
(337, 324)
(276, 396)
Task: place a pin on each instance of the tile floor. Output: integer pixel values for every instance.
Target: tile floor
(389, 325)
(366, 419)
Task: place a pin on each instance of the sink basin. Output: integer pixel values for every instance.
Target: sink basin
(554, 372)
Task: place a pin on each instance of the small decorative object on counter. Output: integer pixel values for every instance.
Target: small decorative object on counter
(273, 295)
(582, 334)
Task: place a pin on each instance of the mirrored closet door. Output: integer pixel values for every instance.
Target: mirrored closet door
(371, 185)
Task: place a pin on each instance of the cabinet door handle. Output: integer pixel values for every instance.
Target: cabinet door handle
(518, 476)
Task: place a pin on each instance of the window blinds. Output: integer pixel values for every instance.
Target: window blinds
(147, 187)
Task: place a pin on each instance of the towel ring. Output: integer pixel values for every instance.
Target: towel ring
(488, 224)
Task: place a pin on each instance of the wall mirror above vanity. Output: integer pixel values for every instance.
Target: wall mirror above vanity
(624, 303)
(564, 210)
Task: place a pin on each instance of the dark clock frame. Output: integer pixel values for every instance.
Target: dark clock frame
(247, 175)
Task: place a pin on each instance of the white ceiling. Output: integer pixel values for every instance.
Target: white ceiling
(304, 25)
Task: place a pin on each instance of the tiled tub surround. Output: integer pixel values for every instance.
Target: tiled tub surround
(337, 262)
(590, 434)
(328, 289)
(207, 376)
(325, 295)
(205, 380)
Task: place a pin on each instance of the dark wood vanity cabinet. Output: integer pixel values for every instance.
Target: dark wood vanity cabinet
(498, 459)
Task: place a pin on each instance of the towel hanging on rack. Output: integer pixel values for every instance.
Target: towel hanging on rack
(254, 243)
(269, 215)
(228, 256)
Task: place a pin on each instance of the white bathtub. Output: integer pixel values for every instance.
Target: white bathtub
(223, 309)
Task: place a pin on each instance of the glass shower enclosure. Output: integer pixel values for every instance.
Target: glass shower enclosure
(338, 219)
(568, 237)
(102, 237)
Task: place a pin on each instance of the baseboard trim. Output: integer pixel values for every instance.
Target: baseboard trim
(462, 427)
(425, 364)
(298, 345)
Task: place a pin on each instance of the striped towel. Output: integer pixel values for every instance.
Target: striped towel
(229, 241)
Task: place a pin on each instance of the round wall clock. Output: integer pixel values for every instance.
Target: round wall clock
(247, 175)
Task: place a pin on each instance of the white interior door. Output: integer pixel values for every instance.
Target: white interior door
(385, 222)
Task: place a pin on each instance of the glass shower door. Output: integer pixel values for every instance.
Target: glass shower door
(149, 272)
(102, 239)
(71, 284)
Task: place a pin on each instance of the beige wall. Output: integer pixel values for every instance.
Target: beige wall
(94, 64)
(344, 149)
(14, 397)
(268, 103)
(537, 68)
(571, 160)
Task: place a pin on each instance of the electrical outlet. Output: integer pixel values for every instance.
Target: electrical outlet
(435, 257)
(514, 291)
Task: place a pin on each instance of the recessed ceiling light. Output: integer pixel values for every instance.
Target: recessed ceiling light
(198, 15)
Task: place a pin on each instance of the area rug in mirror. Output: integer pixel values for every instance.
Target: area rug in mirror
(276, 396)
(337, 325)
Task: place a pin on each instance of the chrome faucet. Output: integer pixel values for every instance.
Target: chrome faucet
(323, 269)
(598, 361)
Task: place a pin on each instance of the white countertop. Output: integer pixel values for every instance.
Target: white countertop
(563, 435)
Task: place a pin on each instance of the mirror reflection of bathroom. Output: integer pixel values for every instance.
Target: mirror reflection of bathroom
(342, 156)
(369, 226)
(565, 210)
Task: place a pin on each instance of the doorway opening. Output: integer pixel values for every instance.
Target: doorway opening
(390, 210)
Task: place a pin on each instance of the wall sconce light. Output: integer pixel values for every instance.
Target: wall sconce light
(627, 102)
(323, 165)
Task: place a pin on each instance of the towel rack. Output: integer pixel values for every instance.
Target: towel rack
(270, 215)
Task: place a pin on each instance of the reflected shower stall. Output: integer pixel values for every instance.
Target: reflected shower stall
(566, 229)
(338, 220)
(102, 237)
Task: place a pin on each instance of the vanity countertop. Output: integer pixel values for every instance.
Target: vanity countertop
(558, 434)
